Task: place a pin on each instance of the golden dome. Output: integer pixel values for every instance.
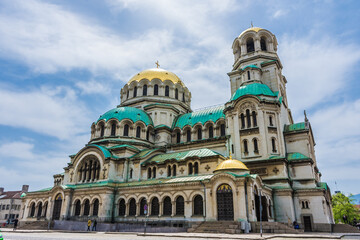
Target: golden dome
(255, 29)
(231, 164)
(156, 73)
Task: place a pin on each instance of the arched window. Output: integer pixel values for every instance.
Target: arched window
(167, 207)
(145, 90)
(196, 167)
(256, 148)
(45, 208)
(154, 172)
(250, 45)
(87, 207)
(188, 135)
(113, 129)
(127, 94)
(156, 89)
(149, 173)
(198, 205)
(176, 93)
(132, 207)
(102, 130)
(147, 134)
(254, 118)
(89, 169)
(32, 211)
(273, 144)
(142, 206)
(174, 170)
(211, 132)
(263, 44)
(135, 92)
(248, 75)
(180, 206)
(138, 131)
(126, 130)
(169, 171)
(131, 174)
(190, 167)
(248, 118)
(122, 207)
(222, 130)
(242, 117)
(96, 207)
(77, 208)
(183, 97)
(155, 207)
(166, 91)
(178, 137)
(199, 133)
(246, 147)
(39, 210)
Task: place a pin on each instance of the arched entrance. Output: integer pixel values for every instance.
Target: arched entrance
(57, 207)
(225, 204)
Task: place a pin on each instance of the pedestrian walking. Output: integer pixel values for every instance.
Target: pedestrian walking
(15, 223)
(89, 225)
(94, 225)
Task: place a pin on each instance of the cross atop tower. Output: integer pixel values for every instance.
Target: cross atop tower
(157, 64)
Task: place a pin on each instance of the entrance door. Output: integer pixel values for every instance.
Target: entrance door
(57, 207)
(307, 224)
(264, 215)
(225, 203)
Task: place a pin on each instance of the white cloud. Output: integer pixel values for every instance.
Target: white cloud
(279, 13)
(93, 87)
(50, 111)
(17, 150)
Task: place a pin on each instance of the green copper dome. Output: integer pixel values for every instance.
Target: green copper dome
(131, 113)
(256, 89)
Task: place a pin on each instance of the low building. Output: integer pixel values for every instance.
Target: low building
(10, 204)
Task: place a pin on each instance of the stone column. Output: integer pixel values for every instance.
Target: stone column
(237, 143)
(173, 208)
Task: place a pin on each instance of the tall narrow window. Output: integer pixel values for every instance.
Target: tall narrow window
(198, 205)
(254, 118)
(263, 44)
(166, 91)
(145, 90)
(271, 121)
(183, 97)
(190, 166)
(142, 206)
(188, 135)
(169, 171)
(87, 207)
(180, 206)
(127, 94)
(95, 207)
(211, 132)
(149, 173)
(250, 45)
(155, 207)
(196, 168)
(178, 137)
(77, 208)
(248, 74)
(245, 146)
(147, 134)
(132, 207)
(222, 130)
(248, 118)
(167, 209)
(154, 172)
(256, 148)
(176, 93)
(122, 207)
(199, 133)
(113, 129)
(126, 130)
(102, 130)
(156, 89)
(135, 92)
(273, 144)
(174, 171)
(138, 131)
(232, 148)
(131, 174)
(242, 118)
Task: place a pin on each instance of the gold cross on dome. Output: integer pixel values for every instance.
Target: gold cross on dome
(157, 64)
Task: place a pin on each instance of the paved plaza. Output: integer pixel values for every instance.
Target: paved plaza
(57, 235)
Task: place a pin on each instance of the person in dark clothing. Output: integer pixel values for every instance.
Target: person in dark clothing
(15, 223)
(94, 225)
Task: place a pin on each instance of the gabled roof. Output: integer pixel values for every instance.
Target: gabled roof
(11, 195)
(181, 156)
(201, 116)
(255, 89)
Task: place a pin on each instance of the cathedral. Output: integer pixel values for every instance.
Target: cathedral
(152, 157)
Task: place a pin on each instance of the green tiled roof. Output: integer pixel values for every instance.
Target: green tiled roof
(122, 146)
(295, 127)
(104, 150)
(256, 89)
(120, 113)
(296, 156)
(322, 185)
(181, 156)
(162, 125)
(250, 66)
(143, 153)
(201, 116)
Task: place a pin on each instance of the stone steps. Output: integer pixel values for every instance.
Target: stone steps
(34, 225)
(275, 227)
(344, 228)
(216, 227)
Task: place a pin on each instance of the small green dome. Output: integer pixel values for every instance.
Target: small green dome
(23, 195)
(131, 113)
(250, 66)
(255, 89)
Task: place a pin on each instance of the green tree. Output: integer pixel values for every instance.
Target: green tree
(343, 205)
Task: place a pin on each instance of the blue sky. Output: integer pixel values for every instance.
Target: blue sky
(63, 64)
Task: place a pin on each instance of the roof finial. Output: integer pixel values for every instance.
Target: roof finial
(157, 64)
(230, 157)
(252, 24)
(306, 119)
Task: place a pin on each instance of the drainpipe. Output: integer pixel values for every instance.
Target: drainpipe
(246, 200)
(204, 209)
